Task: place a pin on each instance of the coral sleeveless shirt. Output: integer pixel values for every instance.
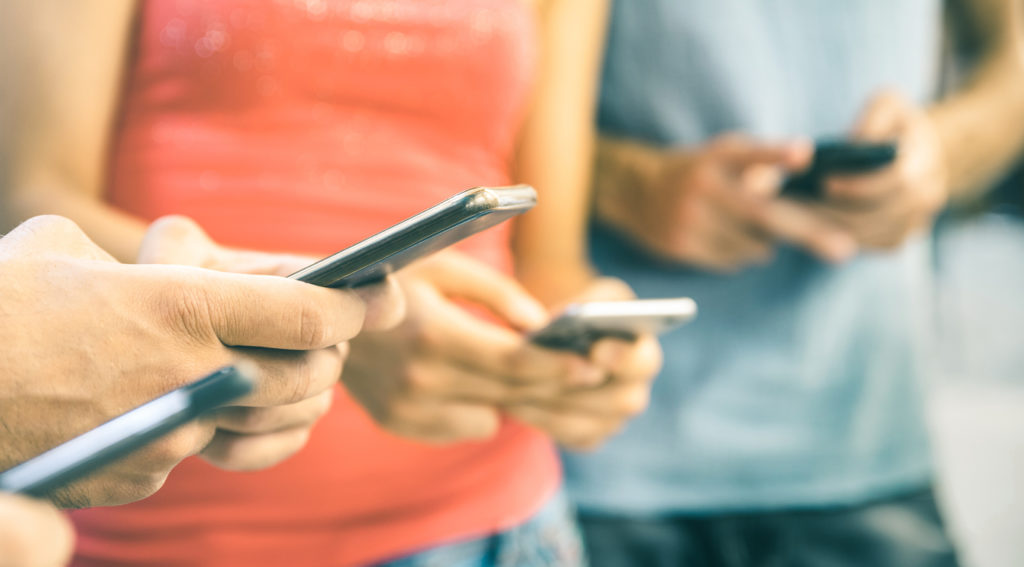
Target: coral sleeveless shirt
(305, 126)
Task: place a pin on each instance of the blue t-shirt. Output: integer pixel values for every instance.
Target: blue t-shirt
(797, 386)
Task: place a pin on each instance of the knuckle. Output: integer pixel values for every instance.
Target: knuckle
(136, 487)
(56, 225)
(175, 227)
(172, 449)
(426, 338)
(300, 380)
(314, 327)
(187, 309)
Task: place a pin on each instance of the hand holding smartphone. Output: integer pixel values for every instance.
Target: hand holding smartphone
(580, 325)
(90, 451)
(838, 158)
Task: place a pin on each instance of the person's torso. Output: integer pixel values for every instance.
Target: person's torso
(305, 127)
(796, 386)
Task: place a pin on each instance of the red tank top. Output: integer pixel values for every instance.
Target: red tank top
(305, 126)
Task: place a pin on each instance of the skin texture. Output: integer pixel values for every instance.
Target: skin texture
(713, 206)
(60, 119)
(716, 206)
(446, 375)
(33, 534)
(87, 338)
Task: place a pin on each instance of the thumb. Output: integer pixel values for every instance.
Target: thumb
(458, 275)
(33, 533)
(882, 118)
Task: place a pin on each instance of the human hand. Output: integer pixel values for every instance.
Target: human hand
(33, 534)
(442, 374)
(89, 338)
(582, 417)
(250, 438)
(882, 208)
(714, 206)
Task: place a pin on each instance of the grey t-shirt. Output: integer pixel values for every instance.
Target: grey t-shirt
(798, 384)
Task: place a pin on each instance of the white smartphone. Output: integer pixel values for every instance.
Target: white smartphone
(580, 325)
(440, 226)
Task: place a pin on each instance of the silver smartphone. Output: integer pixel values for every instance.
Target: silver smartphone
(440, 226)
(94, 449)
(580, 325)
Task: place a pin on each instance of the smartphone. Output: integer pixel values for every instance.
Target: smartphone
(116, 438)
(440, 226)
(835, 158)
(580, 325)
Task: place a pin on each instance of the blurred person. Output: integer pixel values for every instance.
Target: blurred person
(304, 127)
(89, 338)
(786, 428)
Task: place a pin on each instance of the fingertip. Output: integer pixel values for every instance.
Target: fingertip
(527, 313)
(385, 304)
(800, 155)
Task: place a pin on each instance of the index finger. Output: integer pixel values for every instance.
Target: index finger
(740, 151)
(264, 311)
(800, 225)
(865, 189)
(500, 353)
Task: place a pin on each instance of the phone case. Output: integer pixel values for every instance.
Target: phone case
(838, 157)
(583, 324)
(438, 227)
(94, 449)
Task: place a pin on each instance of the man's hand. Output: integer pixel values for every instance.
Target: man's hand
(86, 338)
(33, 534)
(582, 417)
(881, 209)
(250, 438)
(714, 207)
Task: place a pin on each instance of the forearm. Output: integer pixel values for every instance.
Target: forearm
(980, 126)
(63, 65)
(625, 173)
(556, 151)
(115, 231)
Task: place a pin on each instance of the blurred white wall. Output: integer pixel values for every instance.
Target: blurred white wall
(976, 396)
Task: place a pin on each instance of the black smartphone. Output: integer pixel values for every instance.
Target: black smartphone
(440, 226)
(834, 157)
(128, 432)
(580, 325)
